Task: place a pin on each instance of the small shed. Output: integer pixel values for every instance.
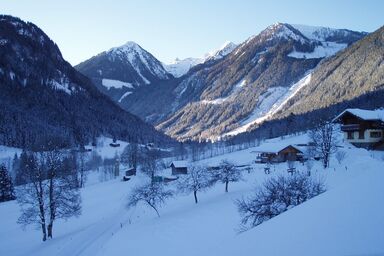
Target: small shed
(130, 172)
(179, 167)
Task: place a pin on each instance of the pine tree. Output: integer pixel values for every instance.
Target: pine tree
(7, 191)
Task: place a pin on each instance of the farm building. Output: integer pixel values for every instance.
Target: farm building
(179, 167)
(362, 128)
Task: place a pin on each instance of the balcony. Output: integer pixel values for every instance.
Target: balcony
(350, 127)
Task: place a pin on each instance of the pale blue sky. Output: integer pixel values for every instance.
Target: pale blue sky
(171, 28)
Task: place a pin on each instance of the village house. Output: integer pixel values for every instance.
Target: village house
(273, 154)
(179, 167)
(362, 128)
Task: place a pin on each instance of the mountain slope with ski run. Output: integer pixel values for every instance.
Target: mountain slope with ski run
(209, 103)
(345, 220)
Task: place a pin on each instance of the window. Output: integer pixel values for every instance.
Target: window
(375, 134)
(361, 135)
(350, 136)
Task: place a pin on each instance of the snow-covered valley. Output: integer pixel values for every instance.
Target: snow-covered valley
(345, 220)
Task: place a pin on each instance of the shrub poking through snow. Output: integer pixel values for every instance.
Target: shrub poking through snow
(154, 194)
(275, 196)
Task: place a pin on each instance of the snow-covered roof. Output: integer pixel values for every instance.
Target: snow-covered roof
(367, 115)
(179, 164)
(275, 148)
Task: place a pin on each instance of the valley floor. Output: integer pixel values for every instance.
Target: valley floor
(345, 220)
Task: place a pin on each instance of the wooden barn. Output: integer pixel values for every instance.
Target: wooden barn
(179, 167)
(362, 128)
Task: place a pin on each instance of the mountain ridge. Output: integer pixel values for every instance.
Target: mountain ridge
(45, 101)
(263, 65)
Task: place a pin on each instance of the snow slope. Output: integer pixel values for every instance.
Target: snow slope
(345, 220)
(110, 83)
(321, 35)
(270, 103)
(326, 49)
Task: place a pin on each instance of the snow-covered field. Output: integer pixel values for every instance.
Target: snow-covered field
(345, 220)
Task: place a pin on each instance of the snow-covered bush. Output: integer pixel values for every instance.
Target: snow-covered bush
(275, 196)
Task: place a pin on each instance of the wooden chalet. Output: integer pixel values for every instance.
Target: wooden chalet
(362, 128)
(179, 167)
(279, 155)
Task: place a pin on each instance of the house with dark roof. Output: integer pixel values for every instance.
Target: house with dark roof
(362, 128)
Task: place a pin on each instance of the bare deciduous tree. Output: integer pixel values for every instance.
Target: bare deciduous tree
(226, 173)
(63, 198)
(197, 179)
(49, 193)
(154, 194)
(324, 142)
(32, 196)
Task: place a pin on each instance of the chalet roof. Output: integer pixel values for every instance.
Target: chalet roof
(276, 148)
(179, 164)
(367, 115)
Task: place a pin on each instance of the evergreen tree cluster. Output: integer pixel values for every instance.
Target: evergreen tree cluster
(7, 191)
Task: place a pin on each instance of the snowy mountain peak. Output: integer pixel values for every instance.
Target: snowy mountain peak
(224, 50)
(180, 67)
(129, 49)
(129, 46)
(283, 31)
(141, 60)
(327, 34)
